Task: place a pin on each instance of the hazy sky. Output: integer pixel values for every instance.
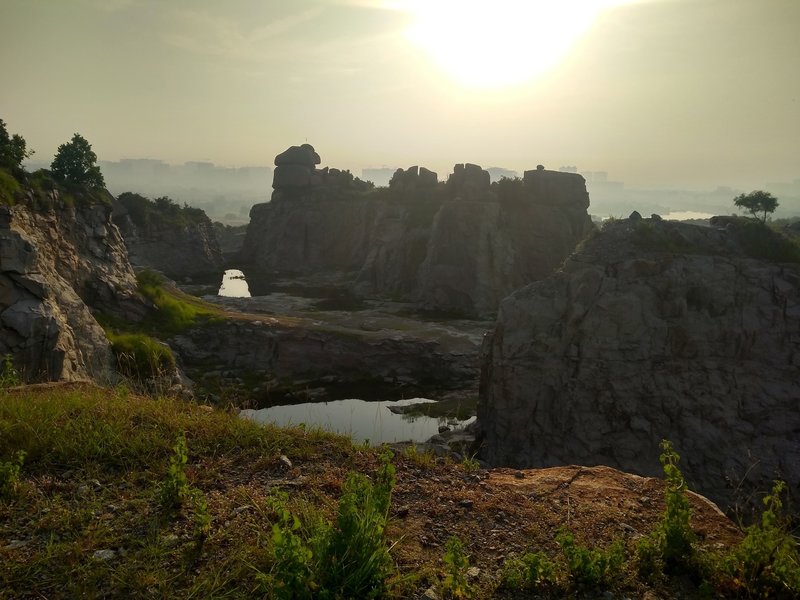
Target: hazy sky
(685, 92)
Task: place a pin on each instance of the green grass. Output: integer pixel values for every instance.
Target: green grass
(9, 188)
(139, 356)
(175, 311)
(96, 463)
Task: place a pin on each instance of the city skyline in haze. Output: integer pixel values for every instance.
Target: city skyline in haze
(656, 92)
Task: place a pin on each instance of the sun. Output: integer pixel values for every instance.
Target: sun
(499, 43)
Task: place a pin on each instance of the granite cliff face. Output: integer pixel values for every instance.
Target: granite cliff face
(181, 242)
(458, 246)
(653, 330)
(55, 264)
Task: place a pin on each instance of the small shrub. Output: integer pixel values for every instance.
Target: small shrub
(9, 376)
(470, 465)
(9, 475)
(293, 570)
(347, 560)
(533, 571)
(9, 188)
(202, 518)
(175, 489)
(671, 546)
(357, 558)
(141, 357)
(421, 459)
(456, 563)
(766, 564)
(591, 568)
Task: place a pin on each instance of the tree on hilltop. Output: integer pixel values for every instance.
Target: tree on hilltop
(76, 163)
(757, 202)
(13, 149)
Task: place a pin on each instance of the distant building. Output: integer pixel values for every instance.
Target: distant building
(568, 169)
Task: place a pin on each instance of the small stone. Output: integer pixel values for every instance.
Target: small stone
(14, 544)
(519, 475)
(104, 554)
(443, 428)
(285, 460)
(169, 540)
(608, 595)
(402, 512)
(473, 573)
(466, 504)
(430, 594)
(241, 509)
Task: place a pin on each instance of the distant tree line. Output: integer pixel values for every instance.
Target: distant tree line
(161, 211)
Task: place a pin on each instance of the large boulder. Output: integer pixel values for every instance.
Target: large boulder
(652, 330)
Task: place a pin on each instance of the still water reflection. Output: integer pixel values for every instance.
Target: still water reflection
(361, 420)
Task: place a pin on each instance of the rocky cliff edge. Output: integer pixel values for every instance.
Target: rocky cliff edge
(654, 330)
(60, 258)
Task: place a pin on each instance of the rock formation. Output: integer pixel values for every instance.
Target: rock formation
(653, 330)
(181, 242)
(55, 264)
(458, 246)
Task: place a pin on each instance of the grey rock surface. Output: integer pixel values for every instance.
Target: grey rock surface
(54, 265)
(651, 330)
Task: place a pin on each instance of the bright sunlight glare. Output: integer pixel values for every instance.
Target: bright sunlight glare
(499, 43)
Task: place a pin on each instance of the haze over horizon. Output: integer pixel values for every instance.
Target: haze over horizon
(655, 92)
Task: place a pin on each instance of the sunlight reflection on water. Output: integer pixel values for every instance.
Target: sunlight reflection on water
(234, 285)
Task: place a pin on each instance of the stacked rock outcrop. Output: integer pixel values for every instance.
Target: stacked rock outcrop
(295, 169)
(652, 330)
(459, 246)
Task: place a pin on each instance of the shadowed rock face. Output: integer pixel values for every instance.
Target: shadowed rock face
(54, 265)
(458, 246)
(652, 330)
(178, 251)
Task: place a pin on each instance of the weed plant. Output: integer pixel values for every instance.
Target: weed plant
(670, 547)
(175, 490)
(9, 376)
(766, 564)
(421, 459)
(591, 568)
(347, 560)
(531, 572)
(456, 562)
(9, 475)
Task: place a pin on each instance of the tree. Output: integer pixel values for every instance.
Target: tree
(12, 148)
(75, 163)
(757, 202)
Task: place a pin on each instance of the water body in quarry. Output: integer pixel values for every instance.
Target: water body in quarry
(364, 421)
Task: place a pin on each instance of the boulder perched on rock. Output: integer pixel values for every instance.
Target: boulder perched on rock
(295, 168)
(653, 330)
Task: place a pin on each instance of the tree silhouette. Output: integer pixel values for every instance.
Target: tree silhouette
(12, 148)
(75, 163)
(757, 202)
